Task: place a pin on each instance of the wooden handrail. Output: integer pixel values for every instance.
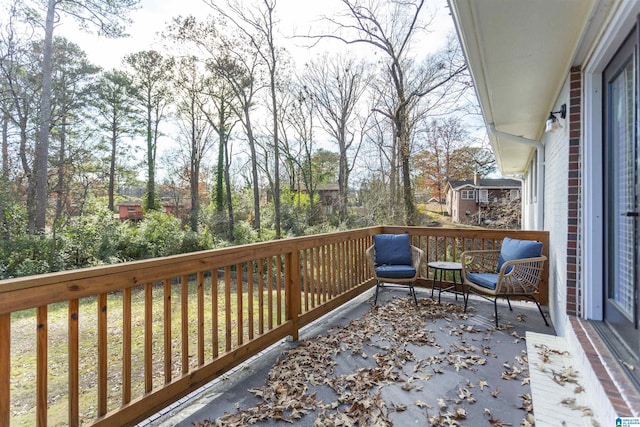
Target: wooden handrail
(139, 336)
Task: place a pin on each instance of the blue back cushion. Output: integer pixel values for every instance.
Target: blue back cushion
(392, 249)
(517, 249)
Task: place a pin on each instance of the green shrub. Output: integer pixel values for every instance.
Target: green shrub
(159, 234)
(92, 239)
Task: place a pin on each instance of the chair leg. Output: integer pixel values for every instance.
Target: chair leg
(413, 292)
(509, 302)
(495, 309)
(539, 309)
(375, 301)
(466, 300)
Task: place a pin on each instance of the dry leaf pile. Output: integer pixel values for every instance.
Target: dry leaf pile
(398, 359)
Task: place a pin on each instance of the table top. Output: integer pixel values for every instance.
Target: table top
(445, 265)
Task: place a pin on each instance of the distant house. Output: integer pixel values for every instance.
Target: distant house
(132, 211)
(329, 195)
(465, 199)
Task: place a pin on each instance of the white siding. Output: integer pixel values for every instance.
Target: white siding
(556, 209)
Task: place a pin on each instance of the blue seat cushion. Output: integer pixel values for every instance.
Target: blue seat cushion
(512, 249)
(395, 271)
(486, 280)
(392, 249)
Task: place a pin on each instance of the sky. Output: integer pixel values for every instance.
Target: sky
(153, 16)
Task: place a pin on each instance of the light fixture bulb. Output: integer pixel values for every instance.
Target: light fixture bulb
(552, 124)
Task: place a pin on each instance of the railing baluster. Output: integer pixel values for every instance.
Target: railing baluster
(315, 282)
(168, 354)
(278, 273)
(5, 369)
(260, 262)
(42, 366)
(126, 345)
(200, 318)
(73, 360)
(102, 354)
(215, 324)
(227, 308)
(327, 272)
(184, 323)
(333, 272)
(250, 300)
(341, 282)
(270, 293)
(239, 297)
(148, 337)
(305, 278)
(292, 290)
(322, 270)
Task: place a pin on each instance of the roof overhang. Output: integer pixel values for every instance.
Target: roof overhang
(519, 54)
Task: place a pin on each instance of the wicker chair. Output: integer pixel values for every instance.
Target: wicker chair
(513, 271)
(393, 260)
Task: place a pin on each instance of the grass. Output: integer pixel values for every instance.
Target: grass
(24, 359)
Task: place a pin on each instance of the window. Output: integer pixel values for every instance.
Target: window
(514, 194)
(468, 194)
(483, 196)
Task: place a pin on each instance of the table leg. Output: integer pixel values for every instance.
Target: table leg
(433, 284)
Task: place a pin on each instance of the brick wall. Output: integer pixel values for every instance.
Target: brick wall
(575, 194)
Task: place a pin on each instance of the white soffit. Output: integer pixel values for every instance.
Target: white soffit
(519, 53)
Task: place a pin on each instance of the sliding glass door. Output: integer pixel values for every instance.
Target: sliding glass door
(621, 192)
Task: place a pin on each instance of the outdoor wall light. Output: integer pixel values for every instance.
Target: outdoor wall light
(552, 122)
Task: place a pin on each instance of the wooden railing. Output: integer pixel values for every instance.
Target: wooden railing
(113, 345)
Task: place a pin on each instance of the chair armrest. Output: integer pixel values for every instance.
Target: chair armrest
(416, 255)
(371, 260)
(479, 261)
(523, 278)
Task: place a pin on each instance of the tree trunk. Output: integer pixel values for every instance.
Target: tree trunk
(194, 177)
(343, 182)
(5, 145)
(410, 217)
(60, 187)
(276, 157)
(112, 163)
(227, 179)
(151, 185)
(220, 172)
(42, 147)
(254, 170)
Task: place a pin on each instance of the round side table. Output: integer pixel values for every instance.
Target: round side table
(442, 267)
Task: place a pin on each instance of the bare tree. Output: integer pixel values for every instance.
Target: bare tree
(338, 84)
(258, 24)
(222, 118)
(195, 127)
(391, 27)
(231, 58)
(299, 144)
